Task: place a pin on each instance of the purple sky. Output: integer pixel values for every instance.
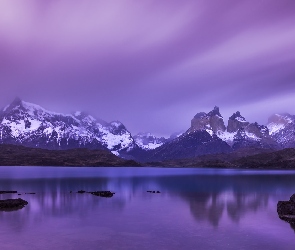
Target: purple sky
(150, 64)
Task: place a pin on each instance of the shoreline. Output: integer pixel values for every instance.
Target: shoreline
(156, 167)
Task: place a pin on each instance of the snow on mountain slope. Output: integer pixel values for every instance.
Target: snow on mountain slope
(282, 129)
(147, 141)
(228, 137)
(238, 133)
(278, 122)
(31, 125)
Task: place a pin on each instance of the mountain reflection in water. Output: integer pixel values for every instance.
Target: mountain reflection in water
(239, 207)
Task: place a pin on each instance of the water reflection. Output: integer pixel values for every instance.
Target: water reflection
(207, 207)
(245, 203)
(208, 197)
(213, 200)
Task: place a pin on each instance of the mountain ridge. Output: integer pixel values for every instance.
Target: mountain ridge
(23, 123)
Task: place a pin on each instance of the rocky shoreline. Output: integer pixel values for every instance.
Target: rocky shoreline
(286, 210)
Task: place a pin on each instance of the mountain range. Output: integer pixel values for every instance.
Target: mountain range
(27, 124)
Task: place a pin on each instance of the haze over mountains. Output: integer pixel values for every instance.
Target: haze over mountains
(23, 123)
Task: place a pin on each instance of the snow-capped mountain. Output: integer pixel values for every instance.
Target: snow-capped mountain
(253, 136)
(147, 141)
(31, 125)
(282, 129)
(238, 134)
(278, 122)
(28, 124)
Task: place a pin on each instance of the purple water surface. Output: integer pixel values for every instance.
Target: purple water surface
(196, 209)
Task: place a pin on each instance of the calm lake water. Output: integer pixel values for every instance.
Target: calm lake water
(196, 209)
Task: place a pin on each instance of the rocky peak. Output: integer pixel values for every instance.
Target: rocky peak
(235, 122)
(211, 122)
(237, 116)
(214, 112)
(216, 120)
(200, 122)
(200, 115)
(257, 130)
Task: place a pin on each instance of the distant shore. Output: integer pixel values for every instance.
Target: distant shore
(14, 155)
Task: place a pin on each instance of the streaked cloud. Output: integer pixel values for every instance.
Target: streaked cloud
(141, 61)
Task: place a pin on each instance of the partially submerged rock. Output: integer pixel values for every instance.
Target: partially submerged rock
(8, 192)
(106, 194)
(286, 210)
(98, 193)
(12, 204)
(154, 192)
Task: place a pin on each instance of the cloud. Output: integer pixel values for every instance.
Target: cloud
(146, 62)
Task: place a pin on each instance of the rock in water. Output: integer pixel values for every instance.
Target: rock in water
(8, 192)
(286, 210)
(106, 194)
(12, 204)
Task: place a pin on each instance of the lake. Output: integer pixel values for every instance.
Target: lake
(195, 209)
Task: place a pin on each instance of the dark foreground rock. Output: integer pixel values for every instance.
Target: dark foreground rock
(286, 210)
(12, 204)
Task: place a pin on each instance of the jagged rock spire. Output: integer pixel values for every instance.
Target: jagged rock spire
(235, 122)
(211, 121)
(215, 111)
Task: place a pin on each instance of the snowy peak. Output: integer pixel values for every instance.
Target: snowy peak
(235, 122)
(239, 132)
(238, 117)
(31, 125)
(278, 122)
(282, 129)
(281, 118)
(148, 141)
(117, 127)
